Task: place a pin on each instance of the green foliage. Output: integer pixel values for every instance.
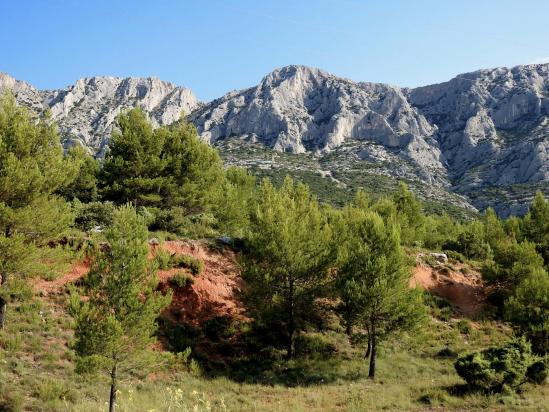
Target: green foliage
(167, 166)
(471, 242)
(528, 308)
(491, 369)
(288, 257)
(538, 372)
(93, 214)
(441, 230)
(84, 186)
(31, 157)
(196, 266)
(32, 169)
(536, 226)
(163, 258)
(511, 263)
(115, 325)
(372, 278)
(182, 280)
(234, 214)
(409, 216)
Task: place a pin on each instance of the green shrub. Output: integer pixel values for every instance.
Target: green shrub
(196, 266)
(464, 326)
(447, 353)
(90, 215)
(50, 390)
(452, 254)
(182, 280)
(491, 369)
(163, 259)
(219, 327)
(314, 345)
(538, 371)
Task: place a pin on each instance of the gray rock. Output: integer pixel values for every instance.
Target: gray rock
(86, 111)
(484, 135)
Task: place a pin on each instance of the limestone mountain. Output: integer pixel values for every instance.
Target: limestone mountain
(86, 111)
(479, 139)
(483, 134)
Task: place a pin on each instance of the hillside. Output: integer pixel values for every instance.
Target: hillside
(317, 381)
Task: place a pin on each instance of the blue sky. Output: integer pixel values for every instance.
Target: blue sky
(214, 46)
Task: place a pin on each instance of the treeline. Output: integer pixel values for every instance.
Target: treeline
(300, 256)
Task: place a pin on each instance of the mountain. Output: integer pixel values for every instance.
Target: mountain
(86, 111)
(478, 140)
(484, 135)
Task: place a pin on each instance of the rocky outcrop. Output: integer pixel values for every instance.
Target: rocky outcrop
(492, 125)
(86, 111)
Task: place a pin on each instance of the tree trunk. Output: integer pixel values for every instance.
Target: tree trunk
(3, 303)
(349, 329)
(3, 309)
(291, 322)
(112, 398)
(372, 371)
(369, 348)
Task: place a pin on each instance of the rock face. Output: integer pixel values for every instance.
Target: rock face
(86, 111)
(493, 125)
(481, 130)
(298, 109)
(484, 134)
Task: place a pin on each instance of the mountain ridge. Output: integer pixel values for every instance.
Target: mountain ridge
(476, 134)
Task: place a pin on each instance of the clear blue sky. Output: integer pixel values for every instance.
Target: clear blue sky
(214, 46)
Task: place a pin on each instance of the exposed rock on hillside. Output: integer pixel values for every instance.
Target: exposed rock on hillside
(86, 111)
(484, 134)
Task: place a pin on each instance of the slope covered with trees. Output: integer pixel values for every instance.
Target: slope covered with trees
(322, 285)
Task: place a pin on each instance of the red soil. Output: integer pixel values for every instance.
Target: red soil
(215, 292)
(466, 291)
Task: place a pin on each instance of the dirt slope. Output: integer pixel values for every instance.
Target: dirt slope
(458, 284)
(215, 292)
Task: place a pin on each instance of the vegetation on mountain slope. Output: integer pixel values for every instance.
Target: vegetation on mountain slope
(311, 273)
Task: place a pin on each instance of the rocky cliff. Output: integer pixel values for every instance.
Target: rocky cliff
(484, 135)
(86, 111)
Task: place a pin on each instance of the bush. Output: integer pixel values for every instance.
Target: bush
(182, 280)
(452, 254)
(163, 259)
(220, 327)
(314, 345)
(464, 326)
(538, 371)
(491, 369)
(90, 215)
(196, 266)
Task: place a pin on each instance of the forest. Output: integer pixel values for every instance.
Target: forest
(329, 318)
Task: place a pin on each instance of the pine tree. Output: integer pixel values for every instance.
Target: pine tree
(372, 277)
(165, 167)
(410, 218)
(528, 308)
(116, 323)
(32, 168)
(84, 186)
(536, 226)
(289, 256)
(132, 170)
